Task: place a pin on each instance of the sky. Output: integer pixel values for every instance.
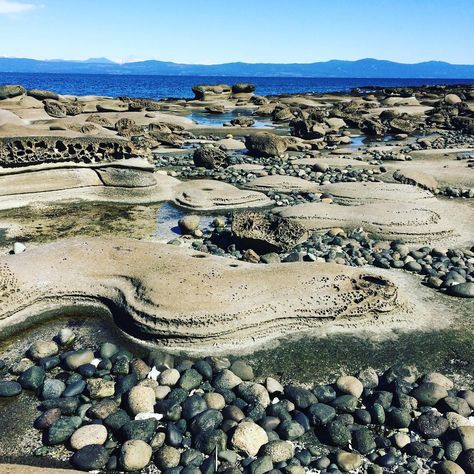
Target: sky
(217, 31)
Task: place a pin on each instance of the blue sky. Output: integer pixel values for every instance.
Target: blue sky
(215, 31)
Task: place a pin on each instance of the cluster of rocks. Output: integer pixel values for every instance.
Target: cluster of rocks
(239, 169)
(442, 139)
(454, 192)
(242, 90)
(263, 238)
(112, 411)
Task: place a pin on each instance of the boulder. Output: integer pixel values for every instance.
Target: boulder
(212, 92)
(452, 99)
(10, 91)
(401, 125)
(265, 144)
(243, 88)
(267, 232)
(308, 129)
(55, 109)
(243, 121)
(372, 127)
(42, 94)
(215, 109)
(282, 115)
(209, 157)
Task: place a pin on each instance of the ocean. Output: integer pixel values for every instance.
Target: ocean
(159, 87)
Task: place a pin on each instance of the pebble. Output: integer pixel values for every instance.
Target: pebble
(66, 336)
(190, 223)
(18, 247)
(52, 388)
(88, 434)
(429, 394)
(167, 457)
(273, 386)
(32, 378)
(384, 419)
(242, 370)
(135, 455)
(47, 419)
(169, 377)
(348, 462)
(214, 401)
(401, 440)
(248, 438)
(350, 385)
(141, 400)
(40, 349)
(466, 437)
(9, 388)
(439, 379)
(100, 388)
(450, 467)
(279, 451)
(139, 429)
(77, 358)
(61, 430)
(90, 458)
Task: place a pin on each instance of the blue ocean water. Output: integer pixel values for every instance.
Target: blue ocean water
(159, 87)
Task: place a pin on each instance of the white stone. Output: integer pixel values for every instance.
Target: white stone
(18, 247)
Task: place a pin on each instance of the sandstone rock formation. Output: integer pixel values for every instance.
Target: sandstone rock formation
(354, 194)
(410, 222)
(265, 144)
(283, 184)
(9, 91)
(266, 232)
(209, 157)
(217, 305)
(212, 92)
(26, 151)
(209, 195)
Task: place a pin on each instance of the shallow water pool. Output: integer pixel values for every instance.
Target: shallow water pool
(167, 219)
(213, 120)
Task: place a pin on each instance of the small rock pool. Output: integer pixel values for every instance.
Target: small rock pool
(213, 120)
(167, 218)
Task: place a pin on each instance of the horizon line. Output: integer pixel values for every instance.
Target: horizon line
(120, 63)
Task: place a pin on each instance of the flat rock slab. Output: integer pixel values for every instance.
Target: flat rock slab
(84, 184)
(185, 299)
(355, 194)
(282, 184)
(47, 180)
(210, 195)
(410, 222)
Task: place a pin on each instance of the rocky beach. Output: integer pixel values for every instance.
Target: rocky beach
(237, 282)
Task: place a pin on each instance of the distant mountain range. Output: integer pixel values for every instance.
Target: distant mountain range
(364, 68)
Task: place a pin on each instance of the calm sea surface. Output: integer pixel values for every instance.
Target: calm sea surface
(158, 87)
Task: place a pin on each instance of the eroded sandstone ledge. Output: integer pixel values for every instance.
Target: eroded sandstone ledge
(214, 304)
(26, 151)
